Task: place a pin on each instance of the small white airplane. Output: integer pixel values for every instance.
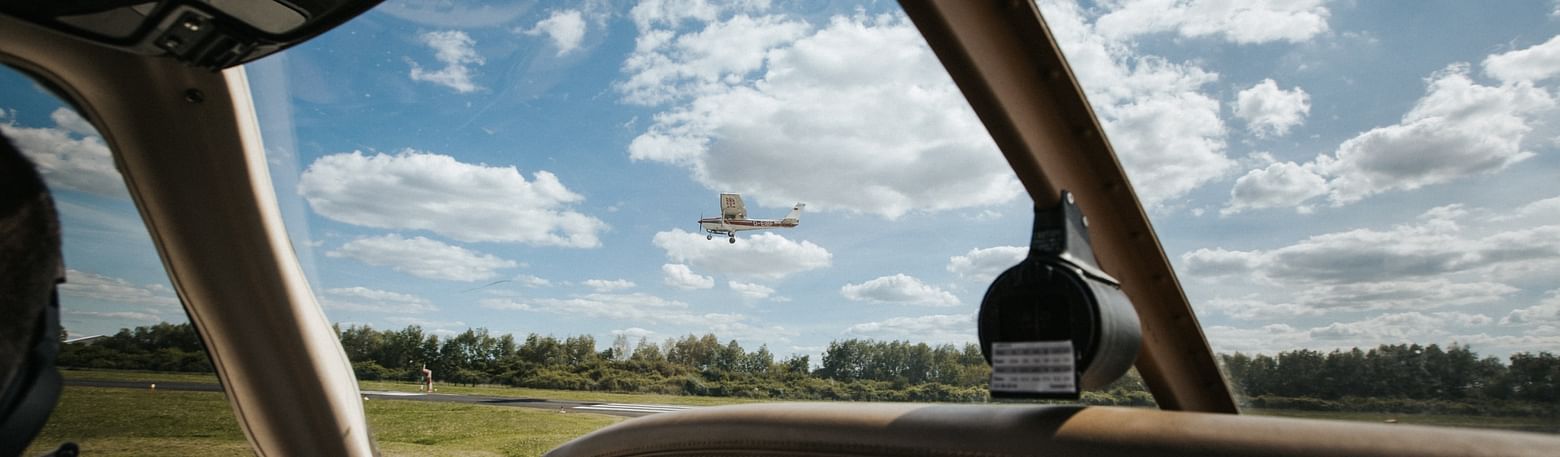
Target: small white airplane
(733, 219)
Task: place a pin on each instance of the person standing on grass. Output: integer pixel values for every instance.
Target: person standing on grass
(427, 379)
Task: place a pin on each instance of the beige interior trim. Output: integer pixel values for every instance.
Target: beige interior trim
(197, 173)
(904, 429)
(1004, 59)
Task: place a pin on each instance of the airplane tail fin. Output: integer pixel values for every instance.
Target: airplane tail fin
(795, 216)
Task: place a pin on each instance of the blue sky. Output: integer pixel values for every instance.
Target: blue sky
(1322, 174)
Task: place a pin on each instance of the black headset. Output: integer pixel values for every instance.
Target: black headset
(31, 267)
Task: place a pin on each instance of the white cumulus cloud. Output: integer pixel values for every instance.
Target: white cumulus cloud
(69, 155)
(422, 257)
(984, 264)
(1270, 338)
(1320, 299)
(457, 51)
(1546, 312)
(1459, 128)
(1449, 256)
(751, 291)
(1270, 111)
(1165, 129)
(1409, 327)
(92, 286)
(1437, 243)
(532, 281)
(855, 114)
(667, 65)
(1244, 22)
(1540, 212)
(116, 315)
(937, 328)
(1281, 184)
(433, 326)
(1389, 328)
(645, 308)
(360, 298)
(1535, 63)
(636, 306)
(680, 276)
(633, 332)
(606, 285)
(566, 28)
(899, 288)
(435, 192)
(1252, 308)
(741, 328)
(651, 13)
(781, 256)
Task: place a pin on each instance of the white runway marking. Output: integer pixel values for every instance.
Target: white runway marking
(393, 394)
(626, 407)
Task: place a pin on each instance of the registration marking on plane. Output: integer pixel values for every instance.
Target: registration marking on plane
(632, 408)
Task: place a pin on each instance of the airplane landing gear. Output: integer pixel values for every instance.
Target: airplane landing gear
(732, 240)
(709, 237)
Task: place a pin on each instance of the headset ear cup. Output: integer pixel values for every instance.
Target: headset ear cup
(30, 270)
(37, 387)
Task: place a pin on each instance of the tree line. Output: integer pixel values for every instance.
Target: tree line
(688, 365)
(1398, 371)
(1406, 377)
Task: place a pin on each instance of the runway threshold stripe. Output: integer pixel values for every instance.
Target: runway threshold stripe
(633, 408)
(672, 407)
(638, 407)
(393, 394)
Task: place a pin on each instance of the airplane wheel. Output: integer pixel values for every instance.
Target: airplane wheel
(709, 237)
(732, 240)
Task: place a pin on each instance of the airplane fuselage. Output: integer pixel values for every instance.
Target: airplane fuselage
(730, 227)
(733, 219)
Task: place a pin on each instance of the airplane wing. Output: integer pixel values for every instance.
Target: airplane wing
(731, 207)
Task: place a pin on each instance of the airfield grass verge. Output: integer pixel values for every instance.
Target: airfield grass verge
(575, 395)
(136, 375)
(432, 428)
(113, 421)
(494, 391)
(1528, 424)
(1521, 424)
(105, 421)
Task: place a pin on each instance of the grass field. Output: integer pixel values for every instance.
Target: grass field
(606, 397)
(109, 421)
(496, 391)
(140, 422)
(1521, 424)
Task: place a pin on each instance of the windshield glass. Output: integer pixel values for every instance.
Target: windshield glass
(511, 197)
(545, 170)
(123, 330)
(1360, 198)
(113, 276)
(540, 210)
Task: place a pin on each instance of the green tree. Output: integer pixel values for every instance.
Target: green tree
(1535, 377)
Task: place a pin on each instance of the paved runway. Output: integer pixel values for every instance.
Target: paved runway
(564, 406)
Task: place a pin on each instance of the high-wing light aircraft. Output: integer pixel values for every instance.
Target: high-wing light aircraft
(733, 219)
